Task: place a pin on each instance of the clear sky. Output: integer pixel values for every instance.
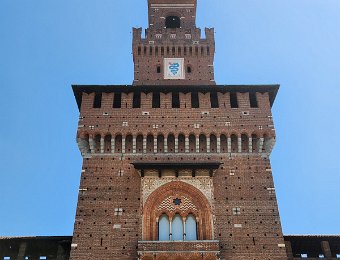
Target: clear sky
(47, 45)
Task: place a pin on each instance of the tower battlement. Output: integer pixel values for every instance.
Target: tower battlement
(173, 51)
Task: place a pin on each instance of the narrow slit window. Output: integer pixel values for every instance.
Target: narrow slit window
(173, 51)
(150, 51)
(190, 51)
(175, 100)
(139, 50)
(179, 51)
(117, 100)
(185, 51)
(168, 50)
(253, 100)
(208, 50)
(158, 69)
(144, 50)
(195, 100)
(162, 51)
(214, 100)
(196, 51)
(97, 103)
(156, 100)
(233, 100)
(136, 100)
(156, 51)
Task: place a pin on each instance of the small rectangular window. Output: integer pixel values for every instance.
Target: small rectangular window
(7, 258)
(168, 50)
(179, 51)
(233, 100)
(185, 51)
(208, 50)
(136, 100)
(156, 100)
(144, 50)
(175, 100)
(304, 256)
(156, 51)
(150, 51)
(236, 211)
(337, 255)
(173, 51)
(196, 51)
(214, 100)
(158, 69)
(195, 100)
(139, 50)
(97, 103)
(202, 50)
(117, 100)
(162, 51)
(43, 258)
(253, 100)
(190, 51)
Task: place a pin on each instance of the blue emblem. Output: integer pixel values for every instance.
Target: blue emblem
(174, 68)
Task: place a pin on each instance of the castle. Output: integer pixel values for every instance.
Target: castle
(174, 165)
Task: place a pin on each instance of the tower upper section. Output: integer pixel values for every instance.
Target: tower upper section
(173, 51)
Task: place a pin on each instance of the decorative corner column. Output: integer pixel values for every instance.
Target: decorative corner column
(239, 142)
(155, 145)
(261, 144)
(112, 144)
(208, 144)
(229, 144)
(218, 144)
(102, 144)
(176, 144)
(134, 146)
(92, 146)
(250, 143)
(187, 148)
(123, 145)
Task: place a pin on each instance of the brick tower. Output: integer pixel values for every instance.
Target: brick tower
(175, 166)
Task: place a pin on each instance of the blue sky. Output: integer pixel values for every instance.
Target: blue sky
(47, 45)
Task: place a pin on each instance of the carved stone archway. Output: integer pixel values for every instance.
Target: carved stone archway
(161, 202)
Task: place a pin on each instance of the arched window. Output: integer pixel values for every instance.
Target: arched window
(191, 228)
(107, 144)
(164, 228)
(234, 144)
(97, 143)
(203, 143)
(118, 144)
(245, 143)
(177, 228)
(213, 143)
(129, 144)
(173, 22)
(266, 143)
(181, 143)
(160, 144)
(255, 140)
(149, 144)
(139, 144)
(85, 144)
(224, 144)
(171, 143)
(192, 143)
